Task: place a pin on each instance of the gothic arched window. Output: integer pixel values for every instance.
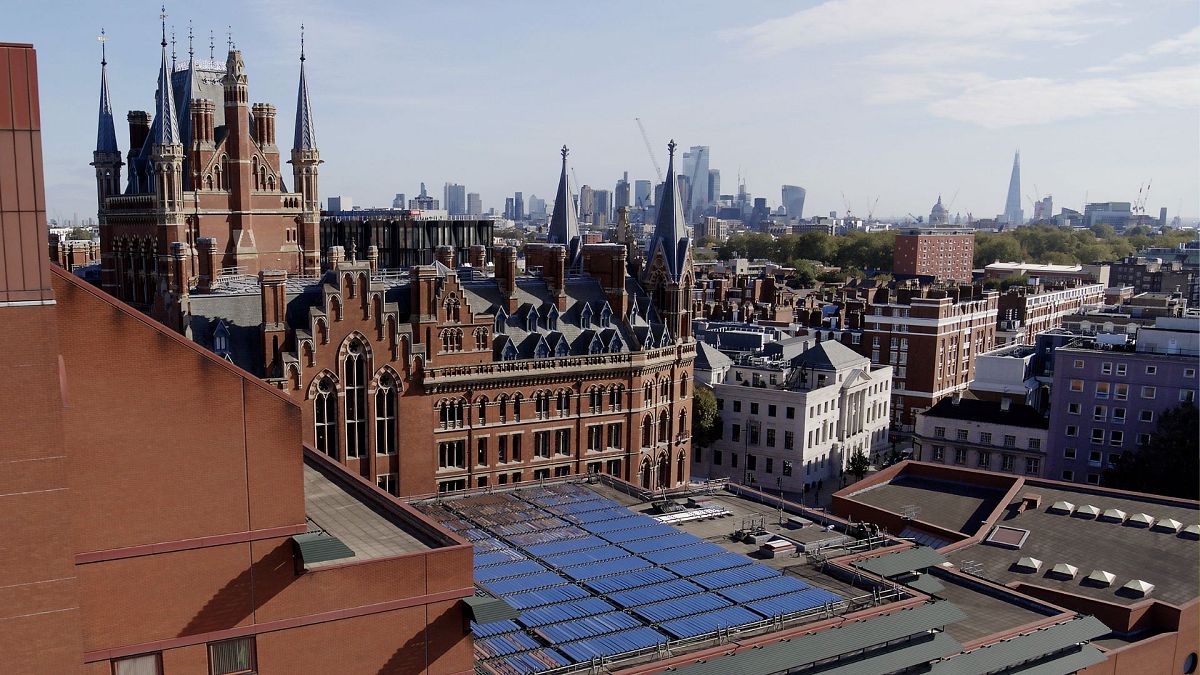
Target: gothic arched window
(325, 415)
(355, 377)
(385, 415)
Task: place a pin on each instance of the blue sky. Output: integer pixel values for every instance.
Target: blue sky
(884, 99)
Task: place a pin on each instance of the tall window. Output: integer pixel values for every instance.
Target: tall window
(355, 369)
(325, 414)
(145, 664)
(483, 403)
(385, 415)
(683, 385)
(615, 396)
(647, 430)
(452, 455)
(614, 435)
(664, 431)
(232, 657)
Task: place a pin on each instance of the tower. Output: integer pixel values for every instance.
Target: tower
(564, 222)
(107, 156)
(166, 162)
(1013, 214)
(667, 275)
(305, 160)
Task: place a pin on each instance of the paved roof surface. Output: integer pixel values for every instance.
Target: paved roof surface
(953, 505)
(367, 531)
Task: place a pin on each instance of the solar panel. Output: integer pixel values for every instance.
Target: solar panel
(709, 622)
(546, 596)
(509, 643)
(679, 607)
(587, 627)
(536, 661)
(597, 518)
(497, 556)
(735, 576)
(793, 602)
(546, 536)
(613, 643)
(553, 547)
(588, 556)
(622, 582)
(519, 568)
(687, 568)
(606, 568)
(520, 584)
(648, 594)
(674, 540)
(482, 630)
(565, 611)
(673, 555)
(649, 532)
(767, 588)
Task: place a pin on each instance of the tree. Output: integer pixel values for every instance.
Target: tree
(706, 421)
(80, 233)
(1168, 464)
(859, 464)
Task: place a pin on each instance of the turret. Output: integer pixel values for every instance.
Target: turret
(305, 160)
(564, 222)
(107, 156)
(667, 273)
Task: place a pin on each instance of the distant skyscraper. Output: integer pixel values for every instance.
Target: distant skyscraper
(1013, 214)
(474, 204)
(535, 207)
(399, 202)
(695, 170)
(714, 185)
(423, 202)
(642, 189)
(621, 195)
(1043, 209)
(508, 208)
(793, 200)
(518, 206)
(587, 203)
(341, 203)
(456, 199)
(602, 212)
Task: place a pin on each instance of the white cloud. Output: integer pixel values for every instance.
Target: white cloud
(1188, 43)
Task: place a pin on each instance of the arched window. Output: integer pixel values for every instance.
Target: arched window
(664, 470)
(616, 397)
(683, 385)
(325, 415)
(683, 427)
(648, 393)
(552, 319)
(665, 389)
(564, 403)
(644, 474)
(664, 427)
(516, 408)
(679, 464)
(541, 404)
(647, 432)
(482, 405)
(501, 321)
(595, 400)
(385, 415)
(605, 316)
(355, 377)
(502, 403)
(531, 319)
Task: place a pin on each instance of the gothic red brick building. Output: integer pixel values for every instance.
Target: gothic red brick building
(443, 378)
(205, 188)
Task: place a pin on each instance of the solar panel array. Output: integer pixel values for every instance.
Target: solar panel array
(594, 579)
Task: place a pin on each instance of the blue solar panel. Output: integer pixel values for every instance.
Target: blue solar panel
(724, 561)
(794, 602)
(673, 555)
(622, 582)
(523, 583)
(578, 544)
(529, 663)
(672, 541)
(678, 607)
(606, 568)
(482, 630)
(547, 536)
(509, 569)
(649, 532)
(583, 557)
(565, 611)
(546, 596)
(648, 594)
(735, 576)
(613, 643)
(767, 588)
(593, 520)
(587, 627)
(497, 556)
(709, 622)
(509, 643)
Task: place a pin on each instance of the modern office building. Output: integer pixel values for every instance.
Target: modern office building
(602, 209)
(474, 204)
(938, 253)
(339, 203)
(518, 206)
(695, 173)
(643, 194)
(714, 185)
(399, 201)
(1117, 214)
(793, 200)
(422, 202)
(455, 199)
(1014, 215)
(621, 193)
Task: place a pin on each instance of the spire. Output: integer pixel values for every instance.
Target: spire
(106, 135)
(564, 222)
(670, 228)
(1013, 213)
(306, 136)
(166, 126)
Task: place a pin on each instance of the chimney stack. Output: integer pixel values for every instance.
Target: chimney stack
(334, 255)
(373, 258)
(445, 255)
(207, 252)
(506, 275)
(478, 256)
(264, 124)
(139, 129)
(272, 285)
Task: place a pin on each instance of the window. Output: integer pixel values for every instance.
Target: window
(1187, 395)
(562, 441)
(985, 438)
(770, 465)
(1116, 437)
(325, 416)
(1100, 413)
(960, 455)
(1072, 408)
(1076, 385)
(1035, 444)
(720, 404)
(1007, 462)
(145, 664)
(1121, 367)
(541, 444)
(614, 435)
(387, 483)
(1069, 453)
(939, 453)
(1010, 441)
(385, 415)
(939, 432)
(516, 448)
(451, 454)
(961, 434)
(1121, 392)
(737, 406)
(1151, 370)
(1143, 439)
(1118, 415)
(716, 458)
(733, 459)
(1093, 479)
(1097, 435)
(985, 460)
(501, 449)
(1189, 372)
(1068, 474)
(754, 429)
(791, 413)
(1146, 416)
(753, 408)
(770, 411)
(1102, 389)
(1149, 392)
(230, 657)
(1106, 368)
(1078, 364)
(751, 463)
(789, 440)
(1072, 430)
(481, 457)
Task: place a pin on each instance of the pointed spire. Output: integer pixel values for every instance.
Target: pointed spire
(306, 136)
(564, 221)
(212, 45)
(106, 135)
(670, 228)
(166, 127)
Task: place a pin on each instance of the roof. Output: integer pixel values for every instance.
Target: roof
(166, 126)
(829, 355)
(1032, 647)
(973, 410)
(670, 228)
(306, 135)
(892, 564)
(790, 348)
(485, 609)
(106, 135)
(318, 547)
(564, 222)
(710, 358)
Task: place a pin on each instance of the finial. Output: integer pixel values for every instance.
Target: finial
(301, 43)
(162, 16)
(191, 52)
(229, 37)
(172, 47)
(565, 152)
(212, 45)
(102, 38)
(671, 147)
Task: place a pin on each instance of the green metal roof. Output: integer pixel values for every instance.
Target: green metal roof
(926, 584)
(890, 565)
(487, 610)
(832, 642)
(908, 655)
(317, 547)
(1069, 663)
(1032, 648)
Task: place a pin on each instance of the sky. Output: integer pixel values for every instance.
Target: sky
(868, 104)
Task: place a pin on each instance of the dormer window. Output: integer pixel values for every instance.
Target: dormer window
(552, 319)
(542, 350)
(531, 319)
(509, 353)
(585, 316)
(596, 347)
(605, 316)
(562, 349)
(501, 321)
(221, 339)
(615, 344)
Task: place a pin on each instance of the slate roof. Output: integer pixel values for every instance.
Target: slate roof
(829, 355)
(972, 410)
(709, 357)
(106, 135)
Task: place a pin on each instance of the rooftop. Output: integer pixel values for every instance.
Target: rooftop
(953, 505)
(993, 412)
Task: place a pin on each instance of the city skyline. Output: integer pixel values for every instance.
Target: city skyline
(1086, 124)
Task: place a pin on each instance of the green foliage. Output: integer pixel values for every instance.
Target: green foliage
(1169, 464)
(1057, 245)
(80, 233)
(860, 250)
(859, 464)
(706, 422)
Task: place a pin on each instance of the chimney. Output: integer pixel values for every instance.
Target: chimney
(272, 284)
(206, 250)
(424, 286)
(555, 274)
(445, 255)
(957, 398)
(478, 256)
(203, 121)
(264, 124)
(373, 258)
(179, 276)
(506, 275)
(334, 255)
(139, 129)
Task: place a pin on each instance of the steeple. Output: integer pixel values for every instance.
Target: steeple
(166, 126)
(670, 228)
(564, 222)
(106, 134)
(306, 136)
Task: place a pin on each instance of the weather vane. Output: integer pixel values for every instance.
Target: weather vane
(162, 16)
(565, 152)
(229, 36)
(191, 53)
(301, 42)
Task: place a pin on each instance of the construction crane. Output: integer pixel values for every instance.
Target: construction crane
(649, 148)
(1139, 206)
(955, 198)
(871, 211)
(845, 201)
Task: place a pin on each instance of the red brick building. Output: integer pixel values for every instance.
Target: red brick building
(441, 378)
(205, 189)
(943, 254)
(138, 542)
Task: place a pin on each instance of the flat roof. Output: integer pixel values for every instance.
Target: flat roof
(953, 505)
(987, 612)
(1165, 559)
(365, 528)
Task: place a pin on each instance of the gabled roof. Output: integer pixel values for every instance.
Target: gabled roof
(709, 357)
(564, 222)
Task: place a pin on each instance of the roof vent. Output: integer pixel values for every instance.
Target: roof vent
(1028, 564)
(1137, 588)
(1113, 516)
(1191, 532)
(1066, 508)
(1168, 525)
(1100, 578)
(1064, 571)
(1140, 520)
(1007, 537)
(1087, 511)
(1031, 500)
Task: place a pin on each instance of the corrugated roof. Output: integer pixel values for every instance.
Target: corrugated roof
(832, 642)
(1030, 647)
(484, 610)
(890, 565)
(1067, 663)
(911, 654)
(316, 547)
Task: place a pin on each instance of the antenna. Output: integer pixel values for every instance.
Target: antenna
(191, 52)
(302, 43)
(212, 45)
(172, 48)
(229, 36)
(162, 16)
(102, 38)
